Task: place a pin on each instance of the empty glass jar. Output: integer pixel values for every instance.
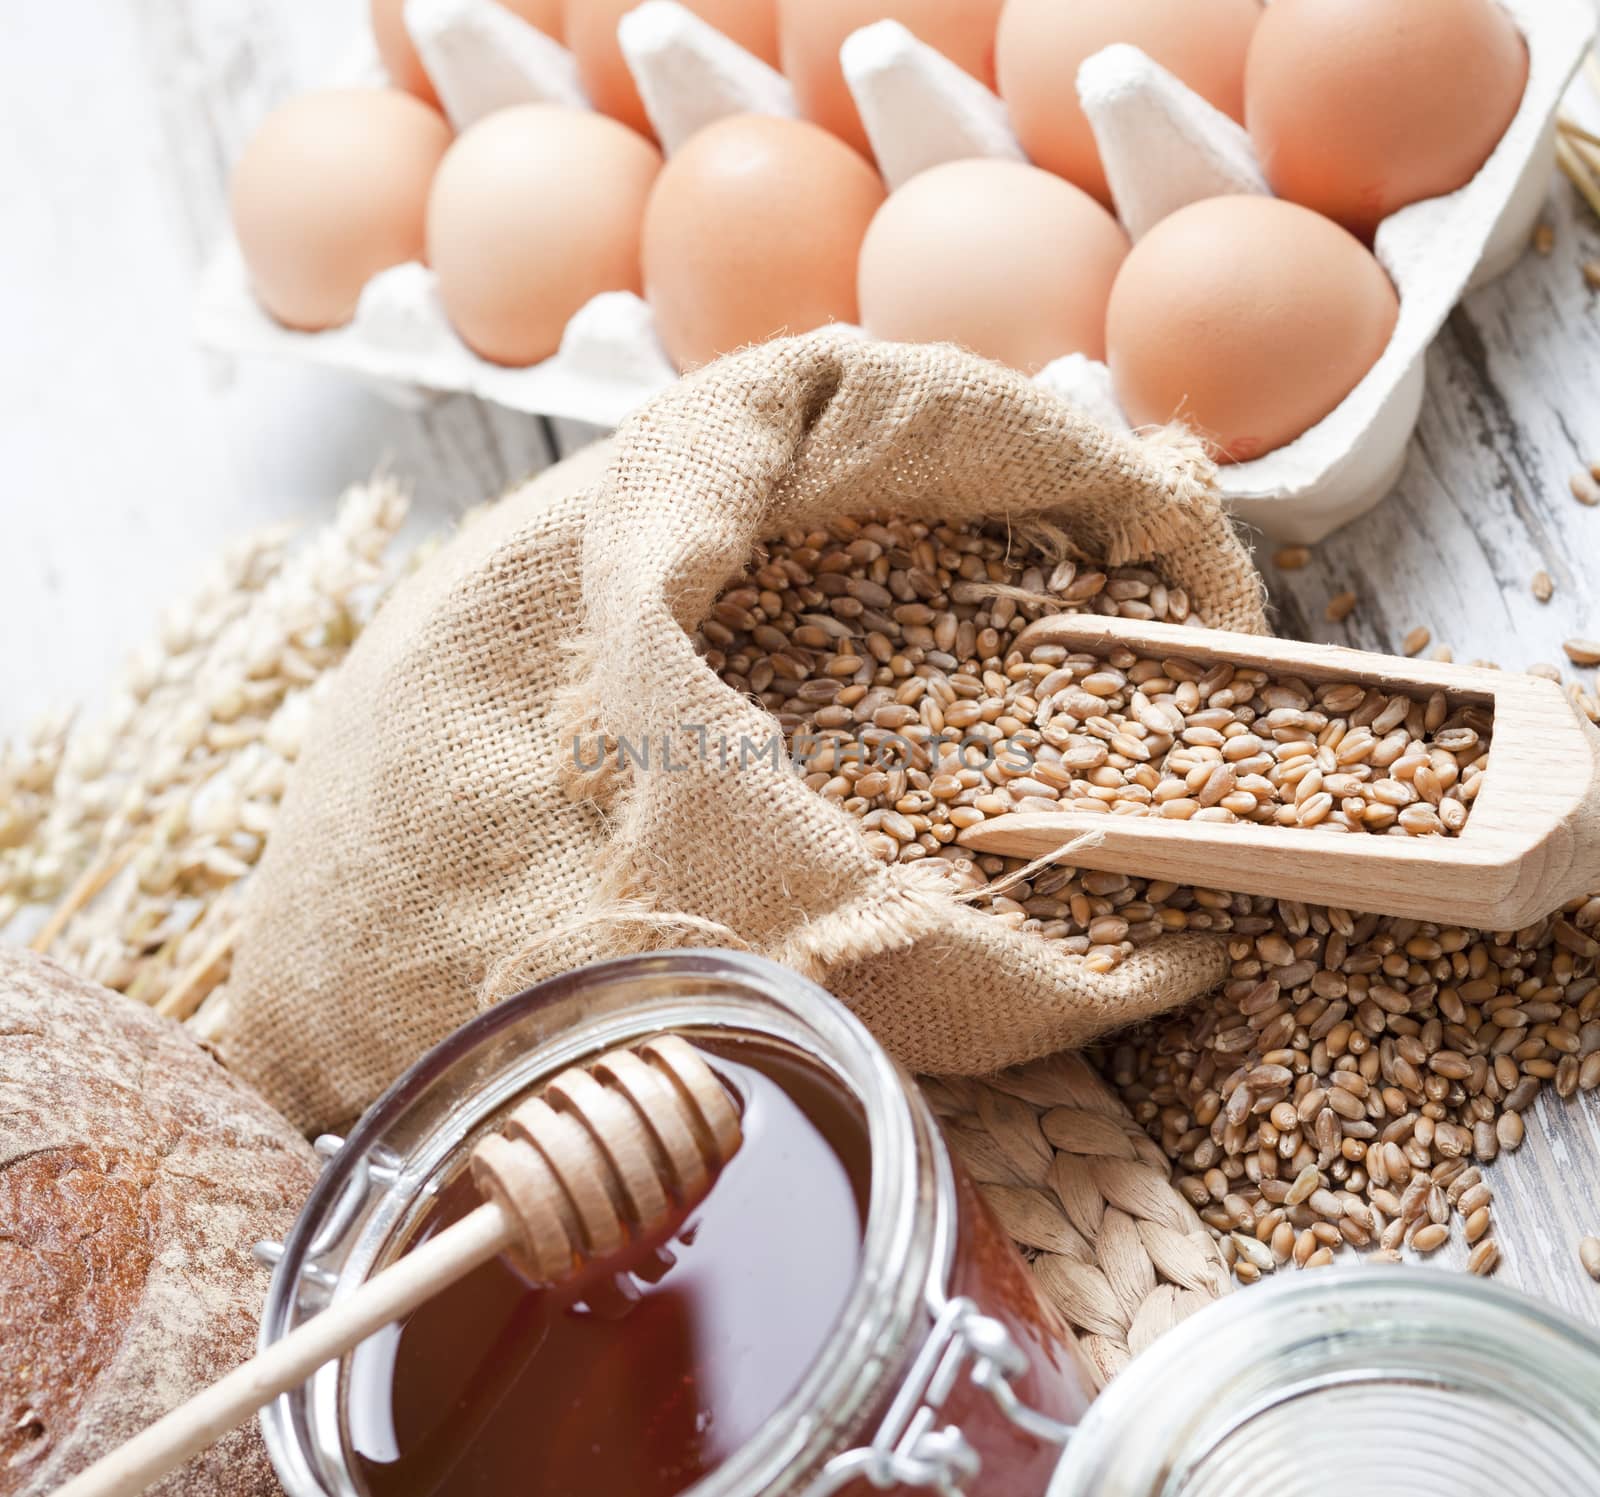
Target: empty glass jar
(1364, 1382)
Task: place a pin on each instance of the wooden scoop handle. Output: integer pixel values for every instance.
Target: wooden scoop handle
(609, 1154)
(1433, 878)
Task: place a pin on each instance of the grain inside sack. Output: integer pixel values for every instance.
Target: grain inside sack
(889, 653)
(451, 834)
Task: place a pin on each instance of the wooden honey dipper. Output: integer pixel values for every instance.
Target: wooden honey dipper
(607, 1156)
(1531, 841)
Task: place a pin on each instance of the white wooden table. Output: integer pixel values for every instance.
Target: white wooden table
(127, 457)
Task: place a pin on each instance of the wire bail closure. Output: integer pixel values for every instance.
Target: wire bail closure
(911, 1448)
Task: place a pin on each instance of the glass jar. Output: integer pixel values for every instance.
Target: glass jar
(945, 1371)
(1368, 1382)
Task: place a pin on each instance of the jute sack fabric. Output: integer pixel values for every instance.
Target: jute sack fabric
(454, 832)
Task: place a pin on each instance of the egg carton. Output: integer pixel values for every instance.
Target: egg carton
(1162, 145)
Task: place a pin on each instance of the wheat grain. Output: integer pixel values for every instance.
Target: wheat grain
(1429, 1239)
(1356, 1064)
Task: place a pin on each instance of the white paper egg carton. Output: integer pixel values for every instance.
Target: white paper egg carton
(1163, 147)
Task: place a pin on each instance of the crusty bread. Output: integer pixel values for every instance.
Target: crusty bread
(135, 1174)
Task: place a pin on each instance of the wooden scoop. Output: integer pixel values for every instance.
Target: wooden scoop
(1530, 844)
(609, 1155)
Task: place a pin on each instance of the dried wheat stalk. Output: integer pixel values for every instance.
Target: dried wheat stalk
(136, 826)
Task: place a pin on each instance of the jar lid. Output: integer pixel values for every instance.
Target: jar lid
(1371, 1380)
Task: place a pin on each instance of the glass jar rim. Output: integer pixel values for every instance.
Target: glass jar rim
(904, 1245)
(1260, 1351)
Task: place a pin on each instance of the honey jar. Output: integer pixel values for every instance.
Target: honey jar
(840, 1316)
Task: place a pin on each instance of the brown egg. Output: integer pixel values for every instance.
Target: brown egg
(1042, 43)
(330, 190)
(810, 33)
(591, 30)
(1249, 318)
(753, 231)
(1359, 107)
(535, 210)
(399, 54)
(1002, 258)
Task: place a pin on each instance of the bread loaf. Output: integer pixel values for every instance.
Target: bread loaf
(135, 1175)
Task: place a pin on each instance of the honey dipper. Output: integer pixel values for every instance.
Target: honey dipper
(1531, 840)
(605, 1156)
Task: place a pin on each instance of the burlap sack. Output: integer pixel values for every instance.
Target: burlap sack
(439, 848)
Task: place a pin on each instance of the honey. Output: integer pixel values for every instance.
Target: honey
(646, 1374)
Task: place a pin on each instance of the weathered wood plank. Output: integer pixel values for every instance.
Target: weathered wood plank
(1546, 1199)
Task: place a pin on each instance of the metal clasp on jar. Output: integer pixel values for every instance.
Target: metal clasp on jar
(378, 1169)
(911, 1448)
